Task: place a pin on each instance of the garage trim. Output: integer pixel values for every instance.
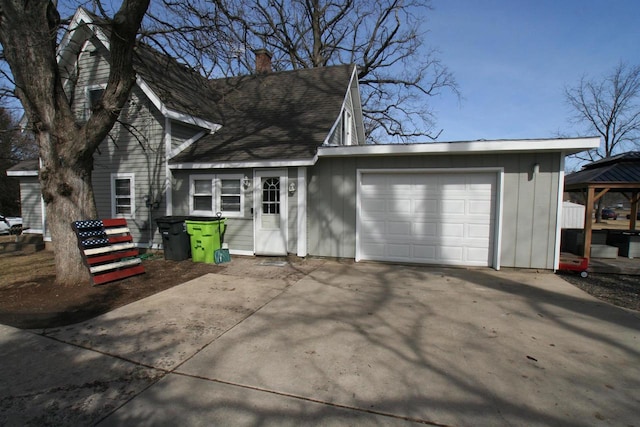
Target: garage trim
(497, 232)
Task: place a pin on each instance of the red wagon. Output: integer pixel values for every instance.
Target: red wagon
(570, 262)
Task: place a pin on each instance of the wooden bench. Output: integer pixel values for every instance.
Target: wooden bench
(108, 249)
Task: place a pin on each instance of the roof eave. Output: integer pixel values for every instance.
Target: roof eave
(275, 163)
(565, 146)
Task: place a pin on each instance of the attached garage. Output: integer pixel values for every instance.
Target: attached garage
(474, 203)
(428, 216)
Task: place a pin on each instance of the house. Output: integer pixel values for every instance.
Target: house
(283, 156)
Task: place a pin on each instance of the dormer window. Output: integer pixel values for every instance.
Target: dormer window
(347, 128)
(94, 95)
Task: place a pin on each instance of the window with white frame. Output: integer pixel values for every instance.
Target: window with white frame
(202, 195)
(94, 95)
(210, 194)
(123, 195)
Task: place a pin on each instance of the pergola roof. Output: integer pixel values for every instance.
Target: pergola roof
(617, 173)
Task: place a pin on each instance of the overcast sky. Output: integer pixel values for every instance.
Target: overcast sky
(512, 60)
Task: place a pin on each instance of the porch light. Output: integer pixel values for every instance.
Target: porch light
(292, 187)
(536, 168)
(246, 182)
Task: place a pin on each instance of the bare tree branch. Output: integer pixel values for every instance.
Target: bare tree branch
(384, 38)
(609, 107)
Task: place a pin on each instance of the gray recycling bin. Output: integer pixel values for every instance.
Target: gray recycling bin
(175, 240)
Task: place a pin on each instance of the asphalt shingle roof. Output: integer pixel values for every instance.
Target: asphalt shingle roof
(285, 115)
(279, 115)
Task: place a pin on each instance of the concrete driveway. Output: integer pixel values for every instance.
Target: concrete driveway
(354, 344)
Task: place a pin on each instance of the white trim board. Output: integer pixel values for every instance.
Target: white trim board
(302, 212)
(22, 173)
(567, 146)
(243, 165)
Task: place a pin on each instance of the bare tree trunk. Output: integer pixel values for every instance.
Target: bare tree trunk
(68, 197)
(28, 33)
(599, 207)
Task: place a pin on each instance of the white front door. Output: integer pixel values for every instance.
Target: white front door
(270, 207)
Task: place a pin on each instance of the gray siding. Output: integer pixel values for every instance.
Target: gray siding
(139, 149)
(239, 234)
(92, 70)
(335, 137)
(181, 133)
(30, 197)
(529, 203)
(331, 209)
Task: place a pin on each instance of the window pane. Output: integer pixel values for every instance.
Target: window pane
(230, 186)
(202, 186)
(230, 203)
(94, 96)
(123, 187)
(271, 196)
(123, 210)
(202, 203)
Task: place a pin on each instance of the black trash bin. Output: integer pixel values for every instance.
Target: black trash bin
(175, 240)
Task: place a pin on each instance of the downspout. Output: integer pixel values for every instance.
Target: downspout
(168, 174)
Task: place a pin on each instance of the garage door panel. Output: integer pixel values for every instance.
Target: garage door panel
(399, 250)
(399, 228)
(425, 229)
(479, 231)
(451, 230)
(424, 206)
(479, 207)
(400, 206)
(424, 253)
(375, 251)
(450, 254)
(378, 181)
(477, 255)
(453, 207)
(441, 218)
(374, 205)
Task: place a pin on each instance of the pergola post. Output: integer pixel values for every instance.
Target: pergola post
(634, 211)
(588, 224)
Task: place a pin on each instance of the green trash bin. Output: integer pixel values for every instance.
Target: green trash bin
(204, 235)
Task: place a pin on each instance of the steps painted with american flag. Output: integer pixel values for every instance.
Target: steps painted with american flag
(108, 249)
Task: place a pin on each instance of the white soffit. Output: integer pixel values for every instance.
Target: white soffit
(567, 146)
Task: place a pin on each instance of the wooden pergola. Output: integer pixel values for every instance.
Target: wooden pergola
(618, 174)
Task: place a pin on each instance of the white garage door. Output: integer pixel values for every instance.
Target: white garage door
(432, 218)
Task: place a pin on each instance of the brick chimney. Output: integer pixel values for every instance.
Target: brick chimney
(263, 61)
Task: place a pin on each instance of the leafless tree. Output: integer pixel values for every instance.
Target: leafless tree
(385, 38)
(609, 107)
(29, 34)
(14, 147)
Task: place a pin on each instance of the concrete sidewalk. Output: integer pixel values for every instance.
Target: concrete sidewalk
(364, 344)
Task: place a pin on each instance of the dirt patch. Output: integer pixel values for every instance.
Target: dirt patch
(29, 298)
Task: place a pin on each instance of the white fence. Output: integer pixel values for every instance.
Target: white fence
(572, 215)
